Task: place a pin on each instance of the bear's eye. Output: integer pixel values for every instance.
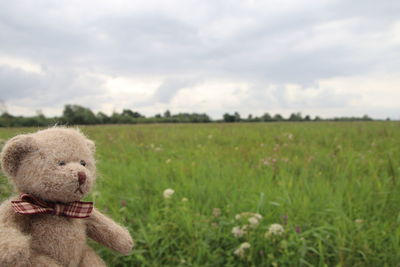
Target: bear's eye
(83, 163)
(61, 163)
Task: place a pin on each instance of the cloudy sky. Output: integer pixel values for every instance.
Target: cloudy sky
(319, 57)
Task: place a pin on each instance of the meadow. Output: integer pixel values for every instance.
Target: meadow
(330, 190)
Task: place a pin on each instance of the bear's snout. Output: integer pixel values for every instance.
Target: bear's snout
(81, 178)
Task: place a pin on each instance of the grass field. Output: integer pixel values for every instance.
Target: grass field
(333, 187)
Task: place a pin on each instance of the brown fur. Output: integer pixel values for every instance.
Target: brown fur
(31, 161)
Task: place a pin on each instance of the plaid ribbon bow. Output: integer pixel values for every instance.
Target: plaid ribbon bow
(32, 205)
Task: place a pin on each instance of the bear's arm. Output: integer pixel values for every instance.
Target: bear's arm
(14, 242)
(107, 232)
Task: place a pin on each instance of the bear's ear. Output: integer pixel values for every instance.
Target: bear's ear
(91, 145)
(14, 151)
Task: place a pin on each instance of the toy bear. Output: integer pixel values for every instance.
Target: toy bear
(47, 224)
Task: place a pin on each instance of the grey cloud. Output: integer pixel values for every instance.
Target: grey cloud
(15, 83)
(50, 89)
(170, 47)
(161, 43)
(382, 11)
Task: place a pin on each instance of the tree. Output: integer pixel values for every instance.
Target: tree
(278, 117)
(266, 117)
(295, 117)
(130, 113)
(167, 114)
(75, 114)
(237, 116)
(366, 118)
(102, 118)
(228, 118)
(7, 119)
(317, 118)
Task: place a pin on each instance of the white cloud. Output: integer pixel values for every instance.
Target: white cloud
(20, 63)
(376, 90)
(321, 57)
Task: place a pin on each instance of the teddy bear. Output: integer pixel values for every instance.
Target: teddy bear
(46, 224)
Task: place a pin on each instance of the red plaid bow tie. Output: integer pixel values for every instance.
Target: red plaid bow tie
(31, 205)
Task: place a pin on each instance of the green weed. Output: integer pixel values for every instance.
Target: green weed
(333, 187)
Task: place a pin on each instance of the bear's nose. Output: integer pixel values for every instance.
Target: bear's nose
(81, 178)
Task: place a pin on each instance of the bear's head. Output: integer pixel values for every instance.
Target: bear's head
(56, 164)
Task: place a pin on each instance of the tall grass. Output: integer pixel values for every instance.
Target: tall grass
(334, 187)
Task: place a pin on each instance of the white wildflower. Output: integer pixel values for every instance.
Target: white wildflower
(248, 215)
(269, 161)
(185, 199)
(239, 252)
(245, 245)
(237, 231)
(241, 249)
(266, 162)
(216, 212)
(359, 221)
(258, 216)
(274, 229)
(253, 221)
(168, 193)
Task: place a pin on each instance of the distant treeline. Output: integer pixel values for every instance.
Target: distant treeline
(75, 114)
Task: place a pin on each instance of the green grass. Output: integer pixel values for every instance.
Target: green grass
(337, 184)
